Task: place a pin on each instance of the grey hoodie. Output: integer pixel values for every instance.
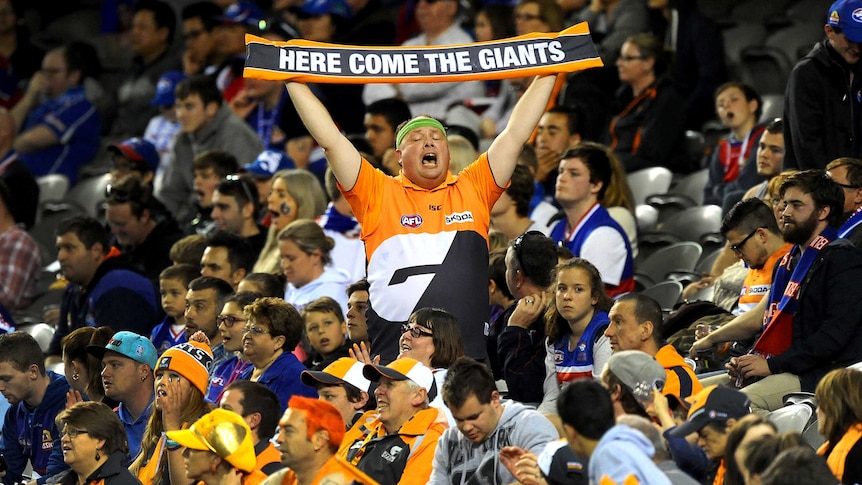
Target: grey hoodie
(624, 451)
(461, 462)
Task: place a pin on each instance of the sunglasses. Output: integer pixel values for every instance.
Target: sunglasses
(237, 179)
(516, 247)
(737, 248)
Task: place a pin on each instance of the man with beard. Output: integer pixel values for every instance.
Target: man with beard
(811, 316)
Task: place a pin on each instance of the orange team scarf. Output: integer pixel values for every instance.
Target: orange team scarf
(719, 474)
(318, 62)
(837, 457)
(629, 480)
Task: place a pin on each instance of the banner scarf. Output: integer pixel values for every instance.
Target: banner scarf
(318, 62)
(778, 320)
(854, 220)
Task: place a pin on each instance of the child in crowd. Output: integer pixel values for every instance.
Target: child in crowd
(326, 331)
(738, 106)
(173, 286)
(188, 250)
(343, 385)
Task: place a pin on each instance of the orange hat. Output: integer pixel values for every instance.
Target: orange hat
(191, 360)
(343, 371)
(224, 433)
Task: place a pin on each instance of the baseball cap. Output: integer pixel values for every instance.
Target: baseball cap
(128, 344)
(268, 163)
(639, 371)
(402, 370)
(165, 88)
(713, 403)
(343, 371)
(847, 16)
(313, 8)
(191, 360)
(138, 150)
(224, 433)
(244, 13)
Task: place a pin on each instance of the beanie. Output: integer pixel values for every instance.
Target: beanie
(192, 360)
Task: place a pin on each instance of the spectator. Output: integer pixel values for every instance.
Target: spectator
(135, 156)
(236, 366)
(511, 212)
(209, 168)
(357, 303)
(151, 35)
(738, 107)
(173, 287)
(438, 25)
(632, 377)
(402, 419)
(235, 202)
(240, 18)
(847, 173)
(263, 169)
(87, 426)
(342, 384)
(821, 108)
(520, 346)
(162, 128)
(538, 16)
(382, 118)
(20, 183)
(588, 229)
(258, 407)
(274, 328)
(59, 128)
(338, 222)
(223, 439)
(128, 360)
(180, 383)
(647, 129)
(326, 331)
(142, 228)
(206, 124)
(372, 22)
(264, 283)
(29, 433)
(200, 52)
(797, 465)
(101, 287)
(473, 448)
(746, 430)
(296, 195)
(308, 439)
(613, 22)
(839, 413)
(82, 370)
(21, 59)
(19, 256)
(559, 128)
(662, 457)
(189, 250)
(770, 155)
(307, 264)
(204, 301)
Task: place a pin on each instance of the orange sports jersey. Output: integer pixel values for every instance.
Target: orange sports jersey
(426, 248)
(758, 281)
(334, 471)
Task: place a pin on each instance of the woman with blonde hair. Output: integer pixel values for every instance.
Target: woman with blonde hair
(180, 385)
(296, 195)
(94, 446)
(307, 264)
(839, 415)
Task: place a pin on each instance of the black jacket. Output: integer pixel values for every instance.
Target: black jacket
(821, 110)
(112, 472)
(521, 355)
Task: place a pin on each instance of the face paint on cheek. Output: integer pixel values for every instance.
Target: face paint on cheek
(284, 209)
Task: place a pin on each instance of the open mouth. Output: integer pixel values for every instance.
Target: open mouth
(429, 159)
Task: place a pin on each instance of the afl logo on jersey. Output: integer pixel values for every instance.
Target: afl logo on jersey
(411, 221)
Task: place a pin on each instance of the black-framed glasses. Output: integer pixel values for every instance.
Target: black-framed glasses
(737, 248)
(229, 320)
(847, 186)
(73, 432)
(254, 330)
(415, 332)
(239, 179)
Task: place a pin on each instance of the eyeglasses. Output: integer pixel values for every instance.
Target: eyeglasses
(737, 248)
(528, 17)
(229, 320)
(847, 186)
(415, 332)
(631, 58)
(242, 182)
(73, 432)
(254, 330)
(516, 247)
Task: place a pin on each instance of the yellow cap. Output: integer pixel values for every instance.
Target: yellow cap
(224, 433)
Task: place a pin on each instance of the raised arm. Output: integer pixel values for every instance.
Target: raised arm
(341, 154)
(504, 151)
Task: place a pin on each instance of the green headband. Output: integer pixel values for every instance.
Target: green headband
(411, 125)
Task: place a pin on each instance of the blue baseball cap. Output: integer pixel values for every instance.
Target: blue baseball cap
(244, 13)
(268, 163)
(138, 150)
(165, 88)
(128, 344)
(322, 7)
(847, 16)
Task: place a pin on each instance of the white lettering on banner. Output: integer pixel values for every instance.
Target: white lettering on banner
(309, 61)
(383, 63)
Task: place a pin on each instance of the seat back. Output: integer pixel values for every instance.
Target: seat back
(666, 293)
(648, 181)
(677, 257)
(52, 187)
(797, 38)
(89, 194)
(773, 107)
(700, 224)
(765, 68)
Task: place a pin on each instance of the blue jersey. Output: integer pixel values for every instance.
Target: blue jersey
(163, 336)
(228, 371)
(578, 363)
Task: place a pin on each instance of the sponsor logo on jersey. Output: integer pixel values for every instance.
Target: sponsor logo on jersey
(411, 221)
(457, 217)
(391, 454)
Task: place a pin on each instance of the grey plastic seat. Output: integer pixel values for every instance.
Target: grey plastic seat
(42, 333)
(773, 107)
(797, 38)
(666, 293)
(89, 194)
(765, 68)
(679, 257)
(649, 181)
(52, 187)
(646, 217)
(684, 194)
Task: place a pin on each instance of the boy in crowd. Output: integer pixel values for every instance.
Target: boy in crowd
(326, 330)
(209, 169)
(173, 286)
(343, 385)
